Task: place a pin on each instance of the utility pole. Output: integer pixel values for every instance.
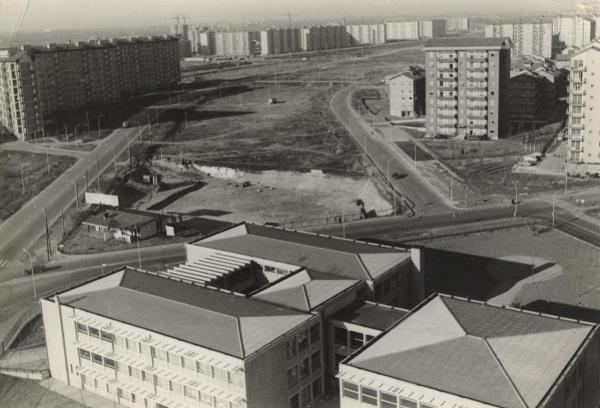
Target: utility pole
(22, 184)
(87, 183)
(76, 196)
(48, 246)
(99, 125)
(138, 248)
(115, 159)
(62, 213)
(516, 198)
(553, 207)
(451, 178)
(98, 171)
(47, 162)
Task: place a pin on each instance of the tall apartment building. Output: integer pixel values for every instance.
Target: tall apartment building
(402, 30)
(432, 28)
(453, 352)
(406, 91)
(574, 31)
(361, 34)
(529, 39)
(206, 42)
(280, 41)
(584, 122)
(458, 24)
(468, 86)
(237, 43)
(320, 38)
(67, 77)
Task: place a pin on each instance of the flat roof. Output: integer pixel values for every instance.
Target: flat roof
(499, 356)
(371, 315)
(356, 260)
(217, 320)
(475, 42)
(119, 219)
(305, 290)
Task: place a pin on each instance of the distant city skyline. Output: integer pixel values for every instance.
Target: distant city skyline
(91, 14)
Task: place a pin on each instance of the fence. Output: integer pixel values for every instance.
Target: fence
(336, 219)
(26, 316)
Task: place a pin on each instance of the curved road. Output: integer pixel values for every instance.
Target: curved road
(422, 196)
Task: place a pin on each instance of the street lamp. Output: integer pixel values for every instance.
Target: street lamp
(516, 183)
(32, 272)
(553, 207)
(101, 115)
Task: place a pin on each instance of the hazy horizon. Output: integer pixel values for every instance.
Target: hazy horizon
(92, 14)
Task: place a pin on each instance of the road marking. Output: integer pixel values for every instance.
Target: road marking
(4, 263)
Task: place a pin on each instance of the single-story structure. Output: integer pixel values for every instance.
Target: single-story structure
(122, 225)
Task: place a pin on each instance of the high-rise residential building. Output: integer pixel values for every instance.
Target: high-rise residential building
(406, 91)
(237, 43)
(584, 122)
(458, 24)
(402, 30)
(454, 352)
(206, 42)
(361, 34)
(529, 39)
(468, 85)
(574, 31)
(67, 77)
(432, 28)
(275, 41)
(320, 38)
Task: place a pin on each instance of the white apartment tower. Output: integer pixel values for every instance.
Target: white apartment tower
(584, 122)
(529, 39)
(574, 31)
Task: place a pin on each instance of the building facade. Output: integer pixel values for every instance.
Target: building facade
(237, 43)
(67, 77)
(280, 41)
(402, 30)
(406, 92)
(452, 352)
(321, 38)
(468, 87)
(584, 124)
(574, 31)
(362, 34)
(458, 24)
(432, 28)
(529, 39)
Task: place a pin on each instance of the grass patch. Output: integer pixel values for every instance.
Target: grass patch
(36, 177)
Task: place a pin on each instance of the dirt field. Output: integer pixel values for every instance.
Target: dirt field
(35, 177)
(578, 285)
(288, 198)
(16, 393)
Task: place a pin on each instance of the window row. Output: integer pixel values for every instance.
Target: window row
(377, 398)
(304, 398)
(299, 343)
(304, 368)
(349, 339)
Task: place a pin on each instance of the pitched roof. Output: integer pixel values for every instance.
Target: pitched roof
(502, 357)
(305, 290)
(228, 323)
(476, 42)
(372, 315)
(342, 257)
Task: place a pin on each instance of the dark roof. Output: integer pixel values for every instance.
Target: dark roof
(305, 290)
(13, 56)
(564, 310)
(342, 257)
(477, 42)
(124, 220)
(499, 356)
(217, 320)
(372, 315)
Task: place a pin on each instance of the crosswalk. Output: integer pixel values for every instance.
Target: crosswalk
(5, 263)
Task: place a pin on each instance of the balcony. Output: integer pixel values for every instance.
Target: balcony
(476, 96)
(477, 85)
(476, 113)
(482, 78)
(446, 68)
(447, 104)
(446, 98)
(578, 69)
(445, 113)
(448, 131)
(477, 67)
(579, 126)
(478, 124)
(448, 86)
(446, 58)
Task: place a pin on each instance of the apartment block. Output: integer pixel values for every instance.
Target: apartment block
(402, 30)
(362, 34)
(529, 39)
(458, 24)
(142, 340)
(406, 92)
(280, 41)
(584, 123)
(432, 28)
(526, 96)
(320, 38)
(454, 352)
(468, 87)
(66, 77)
(574, 31)
(237, 43)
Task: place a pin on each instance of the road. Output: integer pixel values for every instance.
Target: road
(422, 196)
(27, 225)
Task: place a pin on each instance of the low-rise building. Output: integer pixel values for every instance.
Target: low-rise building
(452, 352)
(122, 225)
(406, 92)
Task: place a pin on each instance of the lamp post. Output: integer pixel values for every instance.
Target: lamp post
(516, 183)
(99, 125)
(553, 208)
(32, 272)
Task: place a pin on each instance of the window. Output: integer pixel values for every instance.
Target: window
(110, 363)
(314, 334)
(356, 340)
(304, 369)
(203, 368)
(206, 398)
(81, 328)
(188, 363)
(295, 401)
(94, 332)
(292, 376)
(315, 361)
(236, 378)
(426, 405)
(290, 347)
(96, 358)
(84, 354)
(317, 388)
(190, 393)
(388, 400)
(220, 374)
(305, 397)
(176, 388)
(340, 336)
(368, 395)
(131, 345)
(132, 397)
(350, 390)
(405, 403)
(106, 336)
(302, 342)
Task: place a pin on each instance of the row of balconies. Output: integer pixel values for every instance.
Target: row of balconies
(446, 113)
(448, 131)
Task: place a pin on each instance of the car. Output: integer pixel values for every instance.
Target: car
(398, 176)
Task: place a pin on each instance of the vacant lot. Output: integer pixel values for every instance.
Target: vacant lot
(578, 285)
(24, 175)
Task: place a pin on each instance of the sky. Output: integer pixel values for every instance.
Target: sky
(93, 14)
